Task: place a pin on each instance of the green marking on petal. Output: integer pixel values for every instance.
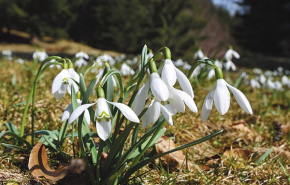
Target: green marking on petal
(65, 81)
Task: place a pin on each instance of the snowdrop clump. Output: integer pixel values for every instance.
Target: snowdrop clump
(81, 59)
(229, 65)
(39, 55)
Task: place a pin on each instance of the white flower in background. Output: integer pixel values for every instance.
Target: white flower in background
(53, 65)
(257, 71)
(262, 79)
(218, 64)
(270, 83)
(120, 58)
(199, 54)
(158, 88)
(196, 71)
(179, 63)
(107, 58)
(268, 73)
(62, 83)
(210, 74)
(126, 70)
(287, 72)
(19, 60)
(230, 53)
(220, 95)
(103, 116)
(229, 65)
(255, 84)
(170, 74)
(285, 80)
(186, 66)
(39, 55)
(7, 54)
(66, 114)
(280, 70)
(275, 73)
(149, 56)
(279, 86)
(81, 59)
(244, 75)
(229, 56)
(133, 61)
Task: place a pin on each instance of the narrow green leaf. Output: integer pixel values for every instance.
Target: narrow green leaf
(266, 154)
(285, 171)
(11, 127)
(16, 147)
(15, 136)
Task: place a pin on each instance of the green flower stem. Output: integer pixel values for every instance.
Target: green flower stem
(152, 66)
(98, 166)
(136, 160)
(192, 68)
(167, 53)
(100, 92)
(33, 94)
(73, 139)
(218, 73)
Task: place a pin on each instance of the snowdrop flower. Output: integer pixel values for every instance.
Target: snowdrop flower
(73, 73)
(210, 74)
(170, 74)
(153, 113)
(186, 66)
(255, 84)
(220, 95)
(81, 56)
(126, 70)
(268, 73)
(7, 54)
(20, 61)
(230, 65)
(179, 63)
(262, 79)
(132, 62)
(39, 55)
(199, 54)
(270, 83)
(257, 71)
(107, 58)
(62, 83)
(218, 64)
(285, 80)
(230, 53)
(103, 115)
(279, 86)
(68, 111)
(158, 88)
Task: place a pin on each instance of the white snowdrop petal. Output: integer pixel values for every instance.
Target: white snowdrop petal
(158, 87)
(175, 100)
(67, 112)
(222, 97)
(188, 101)
(104, 129)
(166, 114)
(184, 82)
(140, 98)
(57, 82)
(168, 73)
(154, 112)
(241, 99)
(127, 111)
(87, 116)
(78, 111)
(207, 105)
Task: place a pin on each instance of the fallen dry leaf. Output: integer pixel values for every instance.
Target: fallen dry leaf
(238, 153)
(175, 159)
(38, 165)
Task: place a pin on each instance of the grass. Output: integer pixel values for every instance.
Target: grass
(254, 149)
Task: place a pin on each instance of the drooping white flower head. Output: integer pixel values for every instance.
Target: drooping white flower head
(229, 65)
(220, 95)
(270, 83)
(7, 54)
(255, 84)
(53, 65)
(262, 79)
(230, 53)
(81, 56)
(107, 58)
(170, 74)
(279, 86)
(210, 74)
(218, 64)
(199, 54)
(257, 71)
(39, 55)
(179, 63)
(103, 116)
(186, 66)
(126, 70)
(285, 80)
(20, 61)
(62, 83)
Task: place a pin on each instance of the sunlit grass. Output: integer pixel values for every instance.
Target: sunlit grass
(268, 127)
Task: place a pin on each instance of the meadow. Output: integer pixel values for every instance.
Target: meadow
(252, 149)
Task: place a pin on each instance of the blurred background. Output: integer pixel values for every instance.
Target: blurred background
(258, 29)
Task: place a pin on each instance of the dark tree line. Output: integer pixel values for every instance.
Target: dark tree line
(265, 27)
